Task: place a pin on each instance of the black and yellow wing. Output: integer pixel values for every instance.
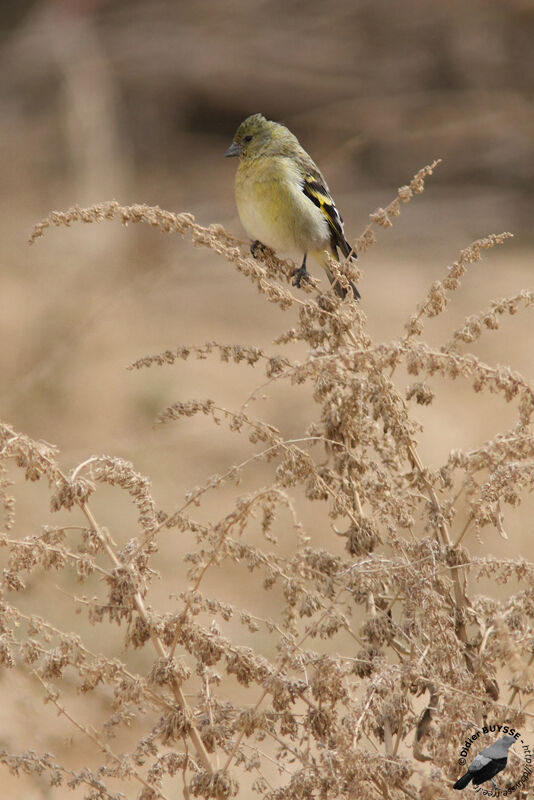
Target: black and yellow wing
(316, 191)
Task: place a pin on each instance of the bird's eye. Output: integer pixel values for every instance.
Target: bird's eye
(248, 138)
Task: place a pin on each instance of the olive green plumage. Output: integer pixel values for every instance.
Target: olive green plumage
(283, 199)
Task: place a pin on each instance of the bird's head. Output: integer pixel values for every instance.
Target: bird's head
(256, 136)
(508, 740)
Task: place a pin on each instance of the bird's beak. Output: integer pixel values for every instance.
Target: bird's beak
(234, 150)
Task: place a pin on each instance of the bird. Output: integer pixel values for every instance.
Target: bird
(487, 764)
(283, 200)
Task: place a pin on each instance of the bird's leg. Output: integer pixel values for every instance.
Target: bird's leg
(300, 274)
(495, 785)
(257, 248)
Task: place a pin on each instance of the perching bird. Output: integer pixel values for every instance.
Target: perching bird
(283, 200)
(487, 764)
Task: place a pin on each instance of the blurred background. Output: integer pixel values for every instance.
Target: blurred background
(137, 101)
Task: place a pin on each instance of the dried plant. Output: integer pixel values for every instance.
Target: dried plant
(375, 664)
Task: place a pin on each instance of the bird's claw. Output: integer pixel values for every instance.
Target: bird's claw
(257, 248)
(298, 275)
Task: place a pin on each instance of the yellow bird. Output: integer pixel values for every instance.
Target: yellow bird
(283, 200)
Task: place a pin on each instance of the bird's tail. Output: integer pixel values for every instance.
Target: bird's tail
(462, 782)
(323, 260)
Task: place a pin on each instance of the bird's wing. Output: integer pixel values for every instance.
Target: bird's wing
(492, 768)
(479, 762)
(316, 190)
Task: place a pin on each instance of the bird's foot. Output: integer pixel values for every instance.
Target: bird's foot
(257, 248)
(299, 275)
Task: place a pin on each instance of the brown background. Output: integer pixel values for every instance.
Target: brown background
(138, 101)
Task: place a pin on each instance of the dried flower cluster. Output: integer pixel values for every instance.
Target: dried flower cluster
(383, 659)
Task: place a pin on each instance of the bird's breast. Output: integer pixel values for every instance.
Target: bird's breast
(273, 208)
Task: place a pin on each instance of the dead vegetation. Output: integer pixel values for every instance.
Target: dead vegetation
(374, 665)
